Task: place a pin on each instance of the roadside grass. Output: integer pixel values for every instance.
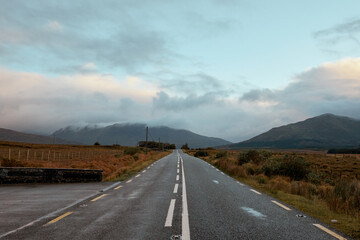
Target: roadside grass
(117, 162)
(326, 193)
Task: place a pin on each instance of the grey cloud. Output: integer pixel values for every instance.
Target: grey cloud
(129, 44)
(166, 102)
(188, 83)
(258, 95)
(348, 31)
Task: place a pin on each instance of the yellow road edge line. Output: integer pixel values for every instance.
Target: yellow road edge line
(97, 198)
(329, 231)
(58, 218)
(281, 205)
(118, 187)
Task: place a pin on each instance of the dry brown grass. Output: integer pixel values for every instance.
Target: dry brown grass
(116, 162)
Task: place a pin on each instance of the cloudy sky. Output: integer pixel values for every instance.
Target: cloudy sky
(224, 68)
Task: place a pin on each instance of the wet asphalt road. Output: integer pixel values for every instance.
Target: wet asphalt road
(177, 195)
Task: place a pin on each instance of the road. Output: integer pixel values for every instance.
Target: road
(178, 195)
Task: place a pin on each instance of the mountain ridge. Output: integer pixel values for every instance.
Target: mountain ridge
(131, 134)
(321, 132)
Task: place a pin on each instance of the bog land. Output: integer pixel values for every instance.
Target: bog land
(117, 162)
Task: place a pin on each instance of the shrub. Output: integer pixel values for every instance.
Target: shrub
(96, 144)
(221, 154)
(313, 177)
(253, 156)
(290, 165)
(185, 146)
(131, 151)
(201, 153)
(294, 167)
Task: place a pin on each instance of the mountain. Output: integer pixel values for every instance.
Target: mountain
(131, 134)
(321, 132)
(14, 136)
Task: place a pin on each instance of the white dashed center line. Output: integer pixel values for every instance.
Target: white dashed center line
(176, 188)
(129, 181)
(137, 175)
(177, 177)
(170, 214)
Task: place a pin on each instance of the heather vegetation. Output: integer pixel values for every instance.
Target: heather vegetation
(323, 185)
(117, 162)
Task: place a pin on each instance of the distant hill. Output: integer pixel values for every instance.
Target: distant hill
(131, 134)
(322, 132)
(14, 136)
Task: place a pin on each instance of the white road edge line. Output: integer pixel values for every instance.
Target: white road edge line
(329, 231)
(129, 181)
(185, 214)
(255, 191)
(177, 171)
(177, 177)
(281, 205)
(176, 188)
(137, 175)
(240, 183)
(170, 214)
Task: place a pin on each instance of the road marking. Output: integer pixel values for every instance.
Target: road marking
(148, 167)
(52, 214)
(144, 171)
(254, 213)
(222, 173)
(281, 205)
(170, 214)
(178, 171)
(176, 188)
(240, 183)
(58, 218)
(97, 198)
(118, 187)
(137, 175)
(215, 181)
(129, 181)
(255, 191)
(329, 232)
(217, 170)
(177, 177)
(185, 214)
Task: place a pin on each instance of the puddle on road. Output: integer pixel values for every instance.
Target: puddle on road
(254, 213)
(217, 182)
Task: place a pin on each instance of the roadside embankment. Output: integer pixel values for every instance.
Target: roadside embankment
(9, 175)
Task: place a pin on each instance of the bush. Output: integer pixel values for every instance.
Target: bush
(313, 177)
(185, 146)
(294, 167)
(221, 154)
(291, 166)
(96, 144)
(131, 151)
(201, 153)
(253, 156)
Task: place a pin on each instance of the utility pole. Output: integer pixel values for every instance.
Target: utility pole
(147, 133)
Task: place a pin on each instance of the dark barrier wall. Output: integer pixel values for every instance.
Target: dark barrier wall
(48, 175)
